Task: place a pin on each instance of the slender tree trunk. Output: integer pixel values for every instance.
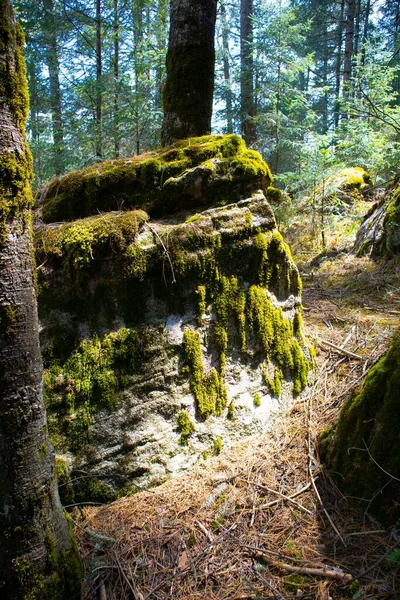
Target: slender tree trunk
(117, 145)
(161, 33)
(348, 47)
(99, 91)
(338, 65)
(55, 89)
(37, 556)
(325, 67)
(137, 17)
(357, 26)
(227, 71)
(188, 92)
(249, 129)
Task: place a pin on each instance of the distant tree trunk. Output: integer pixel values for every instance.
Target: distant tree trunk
(357, 26)
(37, 556)
(325, 67)
(117, 148)
(227, 73)
(161, 34)
(137, 18)
(99, 91)
(55, 89)
(338, 65)
(249, 129)
(367, 15)
(348, 47)
(188, 92)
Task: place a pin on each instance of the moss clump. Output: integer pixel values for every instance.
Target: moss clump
(218, 445)
(90, 379)
(80, 244)
(193, 172)
(208, 388)
(185, 427)
(257, 399)
(364, 446)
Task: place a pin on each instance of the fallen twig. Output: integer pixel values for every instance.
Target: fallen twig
(323, 572)
(338, 349)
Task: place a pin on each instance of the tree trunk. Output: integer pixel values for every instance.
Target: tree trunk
(161, 34)
(227, 73)
(338, 65)
(117, 149)
(37, 556)
(55, 90)
(188, 92)
(348, 46)
(246, 72)
(99, 91)
(137, 18)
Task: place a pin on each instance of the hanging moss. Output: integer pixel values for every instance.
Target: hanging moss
(363, 448)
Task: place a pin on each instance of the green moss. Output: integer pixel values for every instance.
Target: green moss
(363, 448)
(65, 487)
(162, 181)
(231, 411)
(218, 445)
(275, 195)
(201, 305)
(90, 379)
(185, 427)
(208, 388)
(257, 399)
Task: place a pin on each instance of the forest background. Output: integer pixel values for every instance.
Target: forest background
(312, 85)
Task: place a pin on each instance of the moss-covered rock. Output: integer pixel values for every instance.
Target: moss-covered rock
(142, 320)
(363, 448)
(198, 172)
(341, 188)
(379, 234)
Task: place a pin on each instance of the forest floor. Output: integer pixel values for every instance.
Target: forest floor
(265, 520)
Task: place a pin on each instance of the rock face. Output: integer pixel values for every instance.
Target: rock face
(363, 449)
(164, 339)
(379, 234)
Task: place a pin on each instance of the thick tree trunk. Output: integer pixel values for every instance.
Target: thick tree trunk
(188, 92)
(55, 89)
(227, 71)
(249, 129)
(37, 557)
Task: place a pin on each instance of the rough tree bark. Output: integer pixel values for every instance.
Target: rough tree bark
(248, 111)
(227, 71)
(189, 87)
(38, 559)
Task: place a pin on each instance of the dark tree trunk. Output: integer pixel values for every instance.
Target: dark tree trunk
(188, 92)
(37, 555)
(55, 89)
(249, 129)
(99, 91)
(227, 72)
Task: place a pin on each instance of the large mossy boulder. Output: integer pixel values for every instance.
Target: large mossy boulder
(162, 337)
(194, 173)
(379, 234)
(363, 448)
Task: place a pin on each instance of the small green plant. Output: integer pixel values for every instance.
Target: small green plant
(231, 411)
(218, 444)
(257, 399)
(185, 426)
